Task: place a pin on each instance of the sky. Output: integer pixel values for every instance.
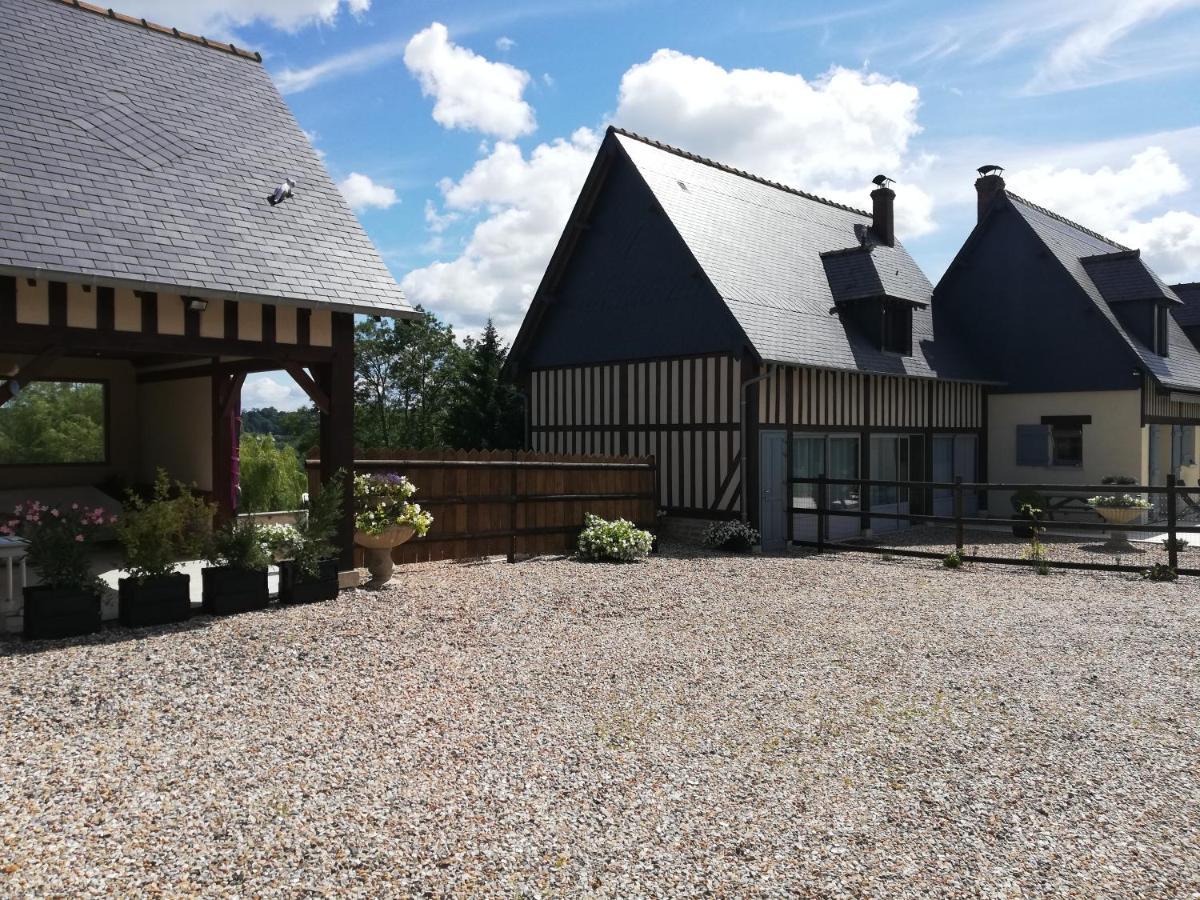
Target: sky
(462, 131)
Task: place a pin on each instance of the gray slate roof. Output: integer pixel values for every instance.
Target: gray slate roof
(1188, 314)
(129, 155)
(760, 244)
(1071, 244)
(874, 270)
(1122, 277)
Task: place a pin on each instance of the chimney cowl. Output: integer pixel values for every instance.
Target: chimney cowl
(883, 215)
(987, 187)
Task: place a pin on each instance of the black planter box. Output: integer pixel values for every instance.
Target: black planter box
(296, 587)
(60, 612)
(228, 591)
(155, 601)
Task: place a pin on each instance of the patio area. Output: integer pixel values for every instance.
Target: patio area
(697, 723)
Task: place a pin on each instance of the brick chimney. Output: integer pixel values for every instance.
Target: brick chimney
(988, 186)
(883, 215)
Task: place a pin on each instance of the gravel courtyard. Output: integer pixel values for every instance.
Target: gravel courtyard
(696, 724)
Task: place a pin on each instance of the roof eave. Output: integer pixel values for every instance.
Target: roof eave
(212, 293)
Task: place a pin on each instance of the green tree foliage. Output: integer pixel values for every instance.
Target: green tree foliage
(272, 476)
(54, 422)
(405, 373)
(297, 428)
(486, 411)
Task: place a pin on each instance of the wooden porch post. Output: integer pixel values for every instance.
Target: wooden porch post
(226, 425)
(336, 379)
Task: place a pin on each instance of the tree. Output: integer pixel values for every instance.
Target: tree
(54, 422)
(297, 428)
(272, 476)
(487, 412)
(405, 370)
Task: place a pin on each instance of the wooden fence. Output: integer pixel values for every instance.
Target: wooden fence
(487, 503)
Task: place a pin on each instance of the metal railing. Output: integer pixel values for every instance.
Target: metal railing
(959, 489)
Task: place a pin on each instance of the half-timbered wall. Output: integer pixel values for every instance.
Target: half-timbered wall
(855, 400)
(1158, 407)
(685, 412)
(26, 301)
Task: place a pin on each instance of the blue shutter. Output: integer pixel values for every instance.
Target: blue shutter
(1033, 445)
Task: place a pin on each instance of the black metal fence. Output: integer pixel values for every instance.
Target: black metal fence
(1171, 492)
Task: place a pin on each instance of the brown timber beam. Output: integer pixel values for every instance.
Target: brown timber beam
(310, 387)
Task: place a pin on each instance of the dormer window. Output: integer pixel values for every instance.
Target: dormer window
(896, 333)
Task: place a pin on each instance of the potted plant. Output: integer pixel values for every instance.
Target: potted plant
(1118, 509)
(236, 580)
(384, 518)
(67, 601)
(311, 574)
(1022, 501)
(733, 535)
(155, 534)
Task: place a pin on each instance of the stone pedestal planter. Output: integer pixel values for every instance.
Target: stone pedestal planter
(296, 587)
(1118, 541)
(379, 551)
(155, 601)
(228, 591)
(59, 612)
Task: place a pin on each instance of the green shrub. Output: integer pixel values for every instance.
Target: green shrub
(239, 544)
(172, 524)
(619, 540)
(272, 477)
(318, 532)
(1178, 544)
(953, 560)
(1160, 572)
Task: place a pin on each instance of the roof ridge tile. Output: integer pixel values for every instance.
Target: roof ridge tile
(163, 29)
(742, 173)
(1061, 218)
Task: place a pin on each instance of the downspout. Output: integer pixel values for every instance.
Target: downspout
(746, 450)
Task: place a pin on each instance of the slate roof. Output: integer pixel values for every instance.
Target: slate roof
(1122, 277)
(128, 154)
(1071, 243)
(1188, 313)
(761, 243)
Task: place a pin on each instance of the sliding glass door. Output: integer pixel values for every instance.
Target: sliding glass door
(836, 456)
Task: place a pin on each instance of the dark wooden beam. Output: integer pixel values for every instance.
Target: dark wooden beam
(231, 392)
(336, 378)
(105, 309)
(310, 387)
(58, 304)
(149, 311)
(206, 370)
(21, 338)
(28, 372)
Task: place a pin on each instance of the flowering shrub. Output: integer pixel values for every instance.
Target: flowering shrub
(618, 540)
(382, 501)
(239, 544)
(280, 540)
(58, 541)
(1119, 501)
(733, 535)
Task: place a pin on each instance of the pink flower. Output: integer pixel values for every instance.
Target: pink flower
(54, 512)
(112, 520)
(74, 506)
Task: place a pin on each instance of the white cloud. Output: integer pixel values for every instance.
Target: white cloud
(293, 81)
(469, 91)
(363, 193)
(524, 201)
(504, 44)
(1115, 202)
(828, 136)
(219, 17)
(274, 390)
(438, 222)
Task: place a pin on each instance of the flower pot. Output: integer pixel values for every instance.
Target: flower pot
(60, 612)
(228, 591)
(296, 587)
(379, 551)
(1118, 541)
(154, 601)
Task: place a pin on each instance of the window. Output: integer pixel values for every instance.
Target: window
(1162, 331)
(1066, 445)
(55, 423)
(897, 328)
(1058, 441)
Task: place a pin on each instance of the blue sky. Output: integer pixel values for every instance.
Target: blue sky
(462, 131)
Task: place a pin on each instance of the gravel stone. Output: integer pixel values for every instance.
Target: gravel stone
(696, 724)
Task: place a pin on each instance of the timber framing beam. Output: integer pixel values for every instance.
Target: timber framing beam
(315, 393)
(28, 372)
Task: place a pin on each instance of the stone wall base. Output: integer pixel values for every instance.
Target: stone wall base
(684, 529)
